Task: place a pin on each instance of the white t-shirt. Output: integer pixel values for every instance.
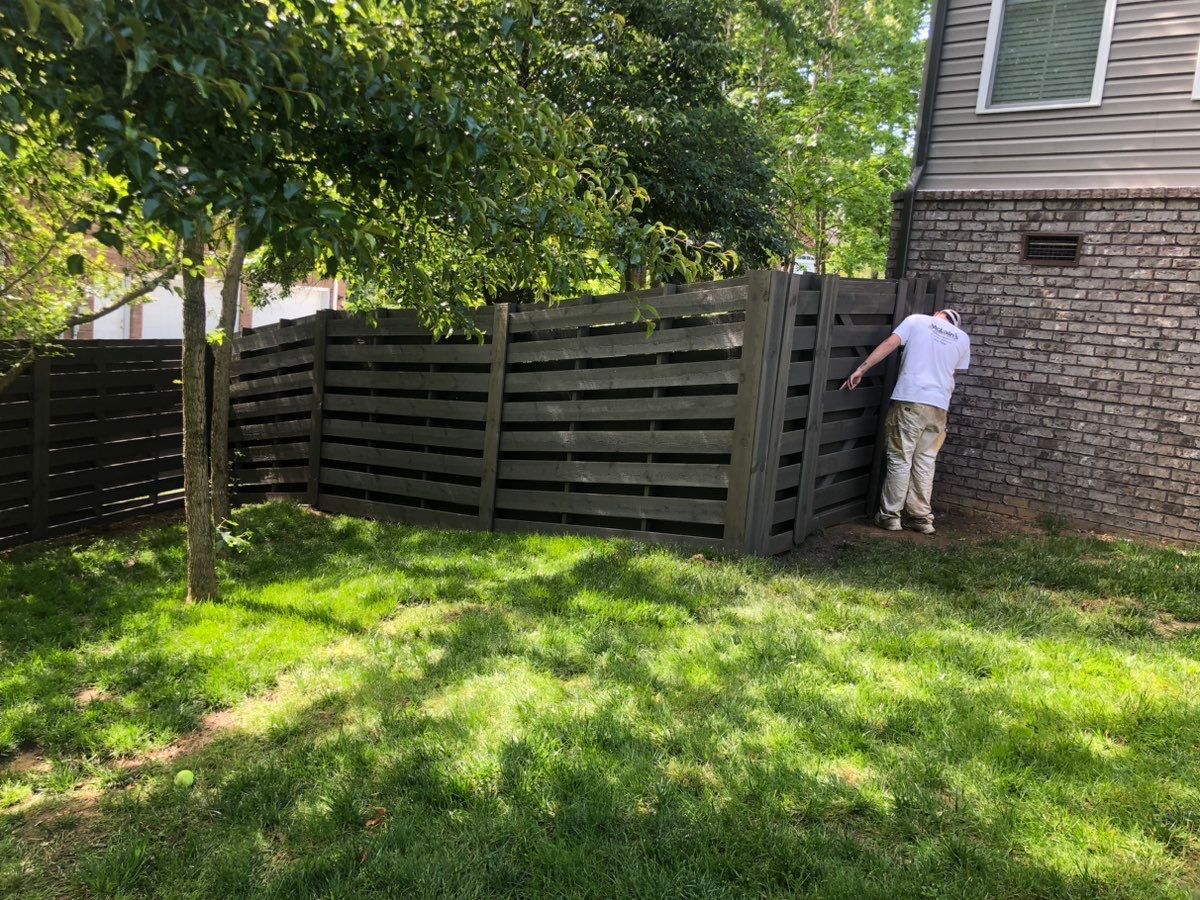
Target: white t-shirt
(933, 351)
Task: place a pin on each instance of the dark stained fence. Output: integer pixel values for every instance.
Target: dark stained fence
(90, 435)
(403, 422)
(271, 410)
(831, 473)
(607, 430)
(721, 427)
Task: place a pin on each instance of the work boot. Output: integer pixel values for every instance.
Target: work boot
(920, 527)
(887, 523)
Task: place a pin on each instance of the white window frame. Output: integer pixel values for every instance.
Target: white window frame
(1196, 83)
(983, 103)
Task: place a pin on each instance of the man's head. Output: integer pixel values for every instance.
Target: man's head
(950, 315)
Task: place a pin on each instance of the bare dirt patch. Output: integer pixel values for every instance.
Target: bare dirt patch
(953, 529)
(28, 762)
(212, 726)
(1168, 627)
(91, 695)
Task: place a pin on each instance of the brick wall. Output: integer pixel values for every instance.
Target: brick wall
(1084, 396)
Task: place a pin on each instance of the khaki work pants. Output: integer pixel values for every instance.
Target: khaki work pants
(915, 434)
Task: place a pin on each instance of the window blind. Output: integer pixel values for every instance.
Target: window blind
(1047, 50)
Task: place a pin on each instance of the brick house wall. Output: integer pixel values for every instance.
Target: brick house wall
(1084, 395)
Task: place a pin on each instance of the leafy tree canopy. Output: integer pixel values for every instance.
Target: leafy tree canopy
(835, 83)
(353, 136)
(655, 77)
(61, 227)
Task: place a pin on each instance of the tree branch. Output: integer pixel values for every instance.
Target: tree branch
(14, 371)
(140, 291)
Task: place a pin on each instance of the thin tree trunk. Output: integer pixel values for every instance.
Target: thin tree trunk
(222, 357)
(201, 559)
(635, 278)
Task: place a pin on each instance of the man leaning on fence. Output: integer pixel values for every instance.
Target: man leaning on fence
(935, 347)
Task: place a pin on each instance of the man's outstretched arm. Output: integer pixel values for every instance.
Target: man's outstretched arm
(878, 355)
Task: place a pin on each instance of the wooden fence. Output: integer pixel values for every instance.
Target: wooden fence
(90, 435)
(723, 427)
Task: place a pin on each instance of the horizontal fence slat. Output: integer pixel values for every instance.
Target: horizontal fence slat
(147, 488)
(617, 441)
(643, 473)
(468, 382)
(693, 374)
(859, 335)
(832, 463)
(66, 382)
(115, 473)
(271, 475)
(392, 457)
(131, 448)
(411, 515)
(444, 491)
(265, 431)
(841, 491)
(395, 323)
(409, 353)
(846, 512)
(405, 406)
(461, 438)
(637, 343)
(270, 452)
(111, 429)
(277, 406)
(652, 308)
(634, 506)
(271, 384)
(113, 406)
(718, 407)
(276, 334)
(284, 359)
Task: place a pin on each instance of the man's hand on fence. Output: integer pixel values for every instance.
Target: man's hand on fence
(852, 382)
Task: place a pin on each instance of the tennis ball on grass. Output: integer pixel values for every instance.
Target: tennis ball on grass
(184, 778)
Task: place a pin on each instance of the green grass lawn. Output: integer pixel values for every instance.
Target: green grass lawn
(411, 713)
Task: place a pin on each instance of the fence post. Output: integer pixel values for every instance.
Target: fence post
(756, 390)
(904, 290)
(316, 423)
(495, 418)
(920, 301)
(40, 450)
(805, 497)
(777, 367)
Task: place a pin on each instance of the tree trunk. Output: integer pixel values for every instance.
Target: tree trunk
(635, 278)
(201, 560)
(222, 357)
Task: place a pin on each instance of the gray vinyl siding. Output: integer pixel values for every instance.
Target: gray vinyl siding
(1145, 133)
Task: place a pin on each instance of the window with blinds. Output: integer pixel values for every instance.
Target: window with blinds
(1046, 51)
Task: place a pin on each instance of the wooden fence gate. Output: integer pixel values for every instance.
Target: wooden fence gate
(723, 427)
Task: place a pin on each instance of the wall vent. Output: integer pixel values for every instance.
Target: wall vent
(1050, 249)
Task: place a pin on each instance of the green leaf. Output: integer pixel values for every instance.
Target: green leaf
(111, 239)
(33, 13)
(143, 58)
(69, 21)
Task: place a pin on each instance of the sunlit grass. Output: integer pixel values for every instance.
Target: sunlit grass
(425, 714)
